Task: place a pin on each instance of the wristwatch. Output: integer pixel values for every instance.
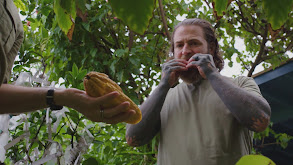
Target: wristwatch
(50, 100)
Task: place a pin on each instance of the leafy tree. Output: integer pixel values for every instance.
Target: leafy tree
(65, 39)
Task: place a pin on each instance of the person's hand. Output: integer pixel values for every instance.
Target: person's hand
(203, 62)
(171, 70)
(91, 107)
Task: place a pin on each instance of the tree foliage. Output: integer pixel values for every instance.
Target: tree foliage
(65, 39)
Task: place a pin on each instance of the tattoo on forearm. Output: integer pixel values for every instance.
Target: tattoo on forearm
(250, 110)
(132, 141)
(259, 123)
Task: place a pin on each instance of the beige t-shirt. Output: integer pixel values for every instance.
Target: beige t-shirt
(198, 129)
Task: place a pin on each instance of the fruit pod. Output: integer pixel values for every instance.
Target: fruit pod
(99, 84)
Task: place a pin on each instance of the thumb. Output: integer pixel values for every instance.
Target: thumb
(201, 72)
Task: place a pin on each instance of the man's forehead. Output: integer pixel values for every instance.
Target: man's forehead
(187, 39)
(190, 32)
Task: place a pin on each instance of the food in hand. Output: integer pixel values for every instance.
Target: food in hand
(99, 84)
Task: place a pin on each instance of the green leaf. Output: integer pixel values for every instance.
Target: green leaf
(230, 64)
(120, 52)
(74, 116)
(136, 14)
(120, 75)
(19, 4)
(86, 26)
(238, 60)
(220, 6)
(138, 153)
(44, 32)
(81, 5)
(69, 131)
(81, 74)
(74, 70)
(69, 6)
(90, 161)
(31, 20)
(93, 52)
(63, 18)
(33, 146)
(277, 12)
(22, 13)
(113, 65)
(255, 160)
(134, 60)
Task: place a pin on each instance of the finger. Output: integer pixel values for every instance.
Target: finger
(202, 73)
(174, 63)
(193, 64)
(199, 57)
(123, 107)
(195, 57)
(107, 97)
(178, 60)
(120, 117)
(178, 69)
(175, 69)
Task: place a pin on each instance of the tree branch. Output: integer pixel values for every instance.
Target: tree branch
(107, 42)
(130, 41)
(164, 20)
(34, 139)
(289, 47)
(260, 53)
(207, 3)
(100, 45)
(243, 63)
(251, 28)
(113, 34)
(74, 132)
(58, 131)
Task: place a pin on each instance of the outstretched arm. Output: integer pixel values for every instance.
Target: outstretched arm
(250, 110)
(141, 133)
(17, 99)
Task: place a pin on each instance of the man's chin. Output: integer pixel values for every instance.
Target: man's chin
(191, 76)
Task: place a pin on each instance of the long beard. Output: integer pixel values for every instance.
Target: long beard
(191, 76)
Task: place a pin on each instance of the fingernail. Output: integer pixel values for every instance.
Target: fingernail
(126, 103)
(115, 93)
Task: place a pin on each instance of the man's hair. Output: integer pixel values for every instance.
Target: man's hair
(209, 35)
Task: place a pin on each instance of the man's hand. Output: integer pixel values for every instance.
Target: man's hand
(171, 69)
(91, 106)
(203, 62)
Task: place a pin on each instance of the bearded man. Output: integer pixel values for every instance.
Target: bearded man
(208, 119)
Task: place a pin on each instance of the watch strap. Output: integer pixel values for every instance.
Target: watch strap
(50, 100)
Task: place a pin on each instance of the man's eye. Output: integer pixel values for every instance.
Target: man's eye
(179, 45)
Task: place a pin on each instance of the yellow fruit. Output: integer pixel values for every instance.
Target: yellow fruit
(98, 84)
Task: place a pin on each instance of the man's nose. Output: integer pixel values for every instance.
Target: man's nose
(186, 52)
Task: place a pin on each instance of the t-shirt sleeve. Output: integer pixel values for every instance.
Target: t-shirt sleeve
(248, 84)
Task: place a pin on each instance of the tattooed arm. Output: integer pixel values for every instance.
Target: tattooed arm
(143, 132)
(250, 110)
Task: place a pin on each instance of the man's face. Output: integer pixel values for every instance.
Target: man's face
(189, 40)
